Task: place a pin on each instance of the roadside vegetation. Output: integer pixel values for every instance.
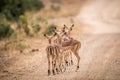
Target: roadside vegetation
(14, 12)
(12, 9)
(23, 19)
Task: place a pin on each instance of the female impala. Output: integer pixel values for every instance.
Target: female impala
(50, 53)
(75, 44)
(67, 38)
(58, 41)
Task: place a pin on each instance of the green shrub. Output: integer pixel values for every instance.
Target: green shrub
(24, 24)
(5, 30)
(49, 30)
(36, 28)
(3, 18)
(23, 19)
(14, 8)
(8, 14)
(26, 30)
(37, 4)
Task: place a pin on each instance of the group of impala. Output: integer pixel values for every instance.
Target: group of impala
(60, 48)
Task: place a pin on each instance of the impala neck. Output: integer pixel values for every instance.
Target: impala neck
(50, 41)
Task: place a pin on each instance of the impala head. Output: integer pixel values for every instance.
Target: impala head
(58, 32)
(67, 28)
(49, 38)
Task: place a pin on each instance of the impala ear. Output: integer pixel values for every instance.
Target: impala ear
(63, 27)
(45, 35)
(55, 34)
(70, 29)
(72, 25)
(55, 28)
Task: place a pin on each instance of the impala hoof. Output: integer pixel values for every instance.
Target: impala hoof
(71, 62)
(57, 70)
(53, 72)
(48, 72)
(77, 68)
(66, 63)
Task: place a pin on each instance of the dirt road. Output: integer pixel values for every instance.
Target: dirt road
(100, 60)
(100, 51)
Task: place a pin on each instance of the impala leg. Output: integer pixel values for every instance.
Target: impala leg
(63, 61)
(61, 65)
(57, 64)
(53, 66)
(75, 51)
(60, 62)
(66, 56)
(48, 57)
(57, 60)
(78, 58)
(53, 61)
(71, 58)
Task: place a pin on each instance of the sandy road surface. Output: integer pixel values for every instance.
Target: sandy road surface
(100, 51)
(100, 60)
